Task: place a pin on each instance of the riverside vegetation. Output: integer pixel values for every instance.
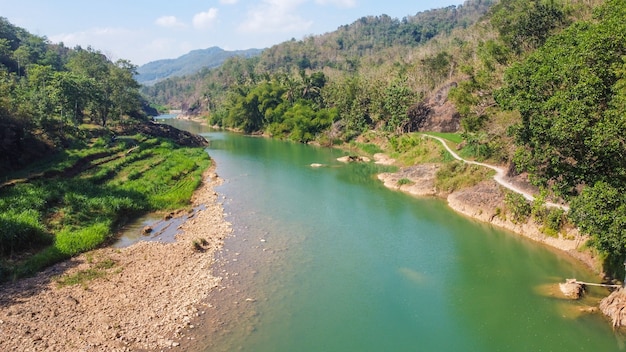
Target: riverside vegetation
(75, 208)
(535, 85)
(78, 155)
(538, 86)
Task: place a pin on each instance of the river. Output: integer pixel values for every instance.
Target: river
(327, 259)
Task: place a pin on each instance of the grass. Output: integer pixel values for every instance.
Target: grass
(413, 148)
(456, 175)
(82, 277)
(368, 148)
(452, 137)
(47, 220)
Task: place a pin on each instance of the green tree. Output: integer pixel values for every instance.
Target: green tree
(525, 25)
(600, 211)
(397, 99)
(568, 94)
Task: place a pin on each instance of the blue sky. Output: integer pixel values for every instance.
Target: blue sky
(148, 30)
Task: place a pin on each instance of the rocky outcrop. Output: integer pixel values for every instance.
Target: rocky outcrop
(614, 307)
(418, 180)
(435, 113)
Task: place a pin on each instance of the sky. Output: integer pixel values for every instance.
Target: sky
(147, 30)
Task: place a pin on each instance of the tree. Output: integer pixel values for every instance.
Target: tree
(397, 99)
(567, 93)
(525, 25)
(124, 88)
(600, 211)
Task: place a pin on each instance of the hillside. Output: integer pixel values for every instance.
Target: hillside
(379, 38)
(537, 87)
(188, 64)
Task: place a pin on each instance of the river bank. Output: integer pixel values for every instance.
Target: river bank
(145, 296)
(485, 202)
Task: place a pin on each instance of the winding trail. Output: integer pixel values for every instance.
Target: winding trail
(500, 176)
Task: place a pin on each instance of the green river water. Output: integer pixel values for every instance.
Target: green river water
(327, 259)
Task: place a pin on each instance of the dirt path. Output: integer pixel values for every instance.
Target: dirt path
(500, 176)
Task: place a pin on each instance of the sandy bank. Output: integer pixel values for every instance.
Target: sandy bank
(146, 300)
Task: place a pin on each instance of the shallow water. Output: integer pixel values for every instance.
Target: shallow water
(329, 260)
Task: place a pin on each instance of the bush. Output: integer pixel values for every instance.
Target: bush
(405, 181)
(554, 221)
(518, 207)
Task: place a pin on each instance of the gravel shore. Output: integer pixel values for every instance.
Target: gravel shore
(145, 296)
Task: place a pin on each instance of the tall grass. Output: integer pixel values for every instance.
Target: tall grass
(61, 217)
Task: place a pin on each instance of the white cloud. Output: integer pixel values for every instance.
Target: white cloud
(338, 3)
(275, 16)
(169, 22)
(206, 19)
(115, 43)
(93, 37)
(229, 2)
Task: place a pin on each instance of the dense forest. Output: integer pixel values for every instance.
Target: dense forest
(536, 85)
(49, 90)
(78, 154)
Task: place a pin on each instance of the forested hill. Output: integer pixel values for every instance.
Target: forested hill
(49, 91)
(380, 37)
(187, 64)
(535, 85)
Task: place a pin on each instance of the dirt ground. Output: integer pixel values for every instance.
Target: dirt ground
(146, 295)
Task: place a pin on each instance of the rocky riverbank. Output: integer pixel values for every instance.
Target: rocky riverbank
(485, 202)
(141, 297)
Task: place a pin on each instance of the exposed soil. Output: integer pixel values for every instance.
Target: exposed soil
(147, 297)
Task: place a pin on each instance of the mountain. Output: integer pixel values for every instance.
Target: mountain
(189, 63)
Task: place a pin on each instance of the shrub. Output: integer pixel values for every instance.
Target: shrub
(518, 207)
(405, 181)
(456, 175)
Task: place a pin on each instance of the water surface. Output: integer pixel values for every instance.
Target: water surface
(327, 259)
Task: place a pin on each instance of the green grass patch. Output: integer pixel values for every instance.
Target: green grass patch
(452, 137)
(83, 277)
(368, 148)
(50, 219)
(413, 148)
(405, 181)
(457, 175)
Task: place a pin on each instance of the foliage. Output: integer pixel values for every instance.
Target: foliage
(369, 148)
(71, 215)
(570, 95)
(525, 25)
(519, 208)
(405, 181)
(457, 175)
(368, 80)
(409, 149)
(600, 211)
(48, 91)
